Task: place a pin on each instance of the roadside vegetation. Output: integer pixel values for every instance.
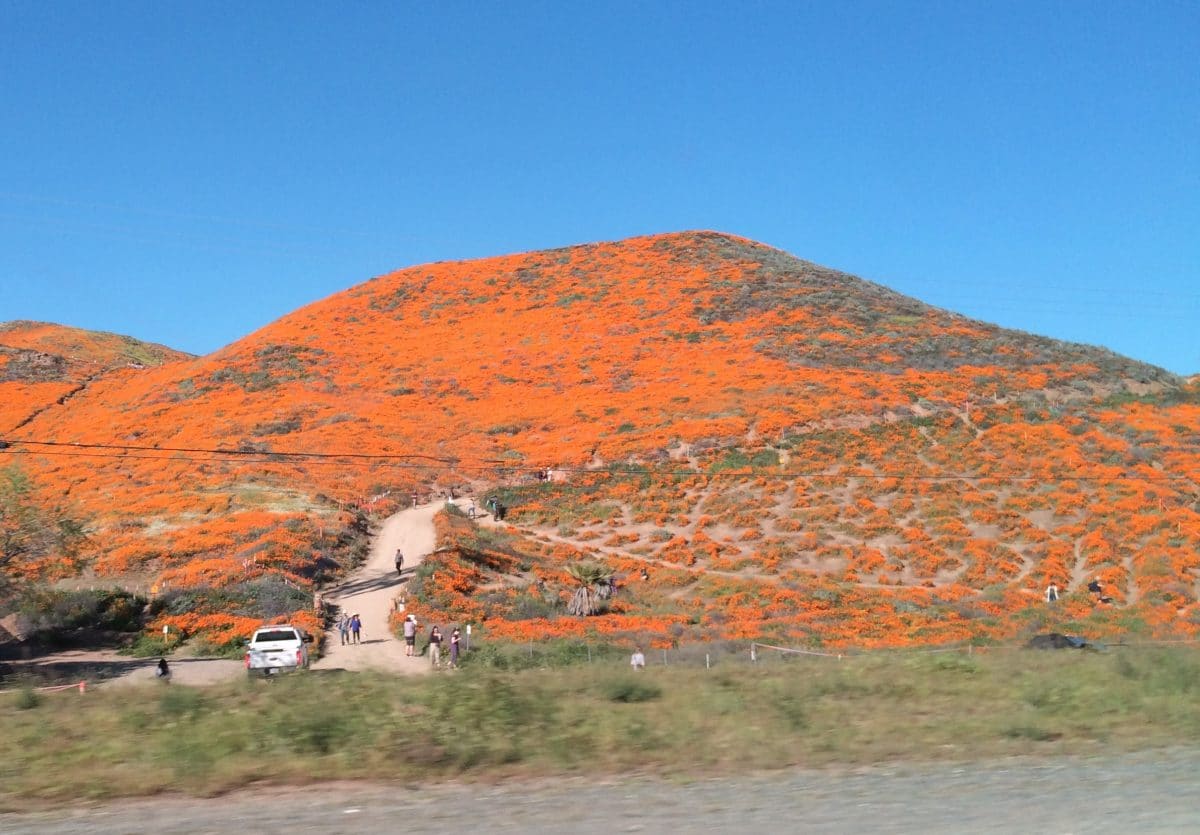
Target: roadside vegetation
(486, 723)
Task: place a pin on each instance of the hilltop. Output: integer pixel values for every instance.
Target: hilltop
(786, 449)
(41, 363)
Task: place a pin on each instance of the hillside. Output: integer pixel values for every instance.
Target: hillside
(41, 363)
(786, 449)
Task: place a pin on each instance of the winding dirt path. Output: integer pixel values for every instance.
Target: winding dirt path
(371, 592)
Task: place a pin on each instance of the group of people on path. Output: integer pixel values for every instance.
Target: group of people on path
(349, 628)
(435, 643)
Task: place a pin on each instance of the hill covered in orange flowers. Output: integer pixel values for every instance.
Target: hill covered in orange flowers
(42, 363)
(782, 449)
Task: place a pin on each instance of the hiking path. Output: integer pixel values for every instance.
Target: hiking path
(371, 591)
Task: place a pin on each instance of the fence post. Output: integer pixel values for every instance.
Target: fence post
(707, 664)
(753, 653)
(664, 657)
(589, 649)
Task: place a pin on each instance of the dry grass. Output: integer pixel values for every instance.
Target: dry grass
(594, 719)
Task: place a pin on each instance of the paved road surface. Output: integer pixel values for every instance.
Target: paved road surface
(1134, 793)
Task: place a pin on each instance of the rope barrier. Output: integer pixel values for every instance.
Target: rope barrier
(81, 686)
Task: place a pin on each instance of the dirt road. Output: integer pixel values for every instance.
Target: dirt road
(1147, 792)
(371, 591)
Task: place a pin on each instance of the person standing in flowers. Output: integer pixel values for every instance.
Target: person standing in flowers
(435, 646)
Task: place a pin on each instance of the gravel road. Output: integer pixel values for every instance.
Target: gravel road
(1147, 792)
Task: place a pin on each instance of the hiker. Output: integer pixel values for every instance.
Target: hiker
(318, 603)
(1094, 587)
(414, 497)
(410, 635)
(645, 575)
(471, 512)
(454, 641)
(343, 627)
(637, 660)
(435, 646)
(490, 504)
(1052, 593)
(163, 673)
(399, 563)
(355, 627)
(501, 510)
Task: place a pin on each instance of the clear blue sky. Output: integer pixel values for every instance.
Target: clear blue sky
(188, 172)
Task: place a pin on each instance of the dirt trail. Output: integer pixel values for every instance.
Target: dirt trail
(371, 592)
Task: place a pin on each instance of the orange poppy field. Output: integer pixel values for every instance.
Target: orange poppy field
(754, 446)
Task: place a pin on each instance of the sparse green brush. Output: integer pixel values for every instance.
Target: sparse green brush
(596, 718)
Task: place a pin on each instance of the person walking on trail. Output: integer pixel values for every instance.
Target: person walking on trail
(399, 562)
(343, 627)
(1052, 593)
(637, 660)
(410, 635)
(355, 628)
(454, 645)
(435, 647)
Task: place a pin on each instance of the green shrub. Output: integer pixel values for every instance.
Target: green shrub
(52, 613)
(28, 698)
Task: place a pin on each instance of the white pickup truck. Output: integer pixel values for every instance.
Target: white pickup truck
(277, 649)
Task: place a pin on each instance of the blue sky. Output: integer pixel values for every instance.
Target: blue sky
(186, 173)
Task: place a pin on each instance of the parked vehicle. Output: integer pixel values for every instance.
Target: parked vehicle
(277, 649)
